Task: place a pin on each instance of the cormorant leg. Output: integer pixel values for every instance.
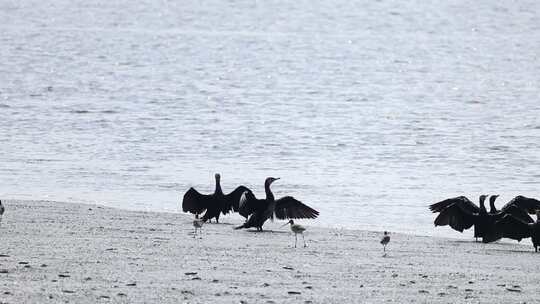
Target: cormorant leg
(295, 239)
(304, 239)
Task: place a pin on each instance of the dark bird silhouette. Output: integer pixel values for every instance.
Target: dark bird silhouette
(527, 204)
(492, 208)
(214, 204)
(2, 210)
(260, 210)
(463, 201)
(517, 229)
(461, 214)
(454, 212)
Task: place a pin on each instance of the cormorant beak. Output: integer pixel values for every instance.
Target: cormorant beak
(287, 223)
(273, 180)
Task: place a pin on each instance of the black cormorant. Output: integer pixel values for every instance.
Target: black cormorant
(259, 210)
(517, 229)
(214, 204)
(527, 204)
(460, 214)
(451, 213)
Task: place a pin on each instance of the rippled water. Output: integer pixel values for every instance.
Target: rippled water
(367, 110)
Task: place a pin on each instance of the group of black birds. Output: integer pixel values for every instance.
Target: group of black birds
(511, 221)
(242, 200)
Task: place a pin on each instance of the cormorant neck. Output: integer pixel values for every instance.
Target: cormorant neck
(482, 206)
(269, 194)
(492, 208)
(218, 186)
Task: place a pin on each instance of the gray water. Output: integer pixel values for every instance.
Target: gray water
(368, 110)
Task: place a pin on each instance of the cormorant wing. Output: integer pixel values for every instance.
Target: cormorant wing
(233, 198)
(516, 212)
(525, 203)
(249, 204)
(462, 200)
(513, 228)
(195, 202)
(456, 216)
(290, 208)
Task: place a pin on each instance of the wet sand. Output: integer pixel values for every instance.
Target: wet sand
(54, 252)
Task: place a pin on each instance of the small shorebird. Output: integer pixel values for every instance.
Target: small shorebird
(197, 223)
(297, 229)
(385, 240)
(2, 209)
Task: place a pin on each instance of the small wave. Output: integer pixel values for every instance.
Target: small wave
(169, 186)
(499, 148)
(79, 111)
(40, 160)
(2, 105)
(109, 112)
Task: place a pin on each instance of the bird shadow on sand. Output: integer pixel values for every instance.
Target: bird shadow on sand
(268, 231)
(224, 224)
(523, 251)
(465, 242)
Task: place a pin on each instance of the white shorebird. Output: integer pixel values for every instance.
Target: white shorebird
(385, 240)
(2, 209)
(297, 229)
(197, 223)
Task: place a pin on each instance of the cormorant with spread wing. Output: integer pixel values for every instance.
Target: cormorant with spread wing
(214, 204)
(517, 229)
(259, 210)
(450, 215)
(527, 204)
(460, 214)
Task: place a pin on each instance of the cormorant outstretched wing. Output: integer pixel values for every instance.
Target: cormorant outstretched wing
(194, 202)
(290, 208)
(456, 216)
(515, 211)
(513, 228)
(233, 199)
(249, 204)
(525, 203)
(465, 203)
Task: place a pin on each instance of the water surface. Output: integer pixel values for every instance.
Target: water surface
(367, 110)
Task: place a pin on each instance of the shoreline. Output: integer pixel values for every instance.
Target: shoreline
(84, 253)
(436, 232)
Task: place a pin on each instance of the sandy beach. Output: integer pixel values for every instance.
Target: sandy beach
(53, 252)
